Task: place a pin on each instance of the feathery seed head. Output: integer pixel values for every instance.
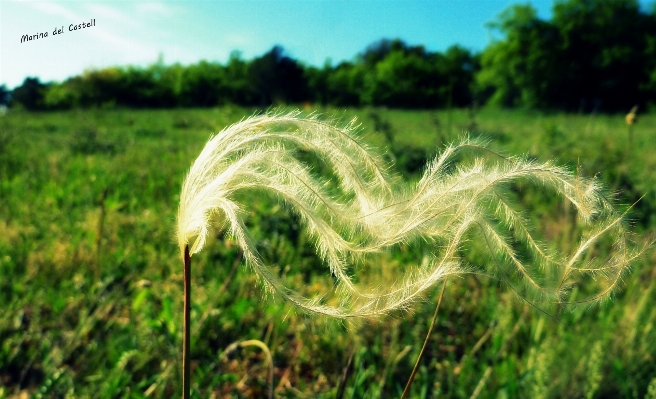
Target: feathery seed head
(632, 116)
(373, 211)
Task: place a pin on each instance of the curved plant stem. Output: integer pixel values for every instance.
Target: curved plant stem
(342, 383)
(267, 353)
(488, 370)
(99, 232)
(186, 339)
(423, 348)
(390, 367)
(481, 383)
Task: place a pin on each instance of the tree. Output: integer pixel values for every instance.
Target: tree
(604, 43)
(402, 80)
(238, 88)
(457, 66)
(5, 95)
(520, 69)
(62, 96)
(276, 78)
(202, 84)
(592, 55)
(341, 85)
(399, 75)
(30, 94)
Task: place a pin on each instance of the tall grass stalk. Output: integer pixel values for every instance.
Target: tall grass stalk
(99, 231)
(361, 209)
(631, 118)
(345, 374)
(186, 339)
(406, 391)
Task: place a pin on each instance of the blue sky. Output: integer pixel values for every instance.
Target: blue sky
(311, 31)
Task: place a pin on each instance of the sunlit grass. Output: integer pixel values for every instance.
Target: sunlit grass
(66, 333)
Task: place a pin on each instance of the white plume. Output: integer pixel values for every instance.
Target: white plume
(374, 211)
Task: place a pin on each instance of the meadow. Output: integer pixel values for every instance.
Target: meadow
(91, 277)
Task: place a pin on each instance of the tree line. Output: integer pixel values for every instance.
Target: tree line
(591, 55)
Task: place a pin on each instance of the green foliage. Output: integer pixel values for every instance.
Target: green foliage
(5, 95)
(66, 333)
(402, 76)
(651, 392)
(199, 84)
(277, 79)
(30, 94)
(593, 54)
(339, 85)
(389, 73)
(520, 70)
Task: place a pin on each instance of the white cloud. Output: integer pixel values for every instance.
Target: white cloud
(237, 39)
(107, 12)
(151, 8)
(52, 8)
(126, 48)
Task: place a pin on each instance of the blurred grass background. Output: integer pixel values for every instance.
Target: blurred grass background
(91, 279)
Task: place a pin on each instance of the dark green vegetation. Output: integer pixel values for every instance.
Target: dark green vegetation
(91, 279)
(592, 55)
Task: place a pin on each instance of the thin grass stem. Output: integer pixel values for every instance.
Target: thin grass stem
(390, 367)
(99, 232)
(186, 339)
(345, 374)
(423, 348)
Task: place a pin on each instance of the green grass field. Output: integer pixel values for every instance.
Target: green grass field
(91, 278)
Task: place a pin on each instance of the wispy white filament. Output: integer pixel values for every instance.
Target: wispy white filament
(372, 211)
